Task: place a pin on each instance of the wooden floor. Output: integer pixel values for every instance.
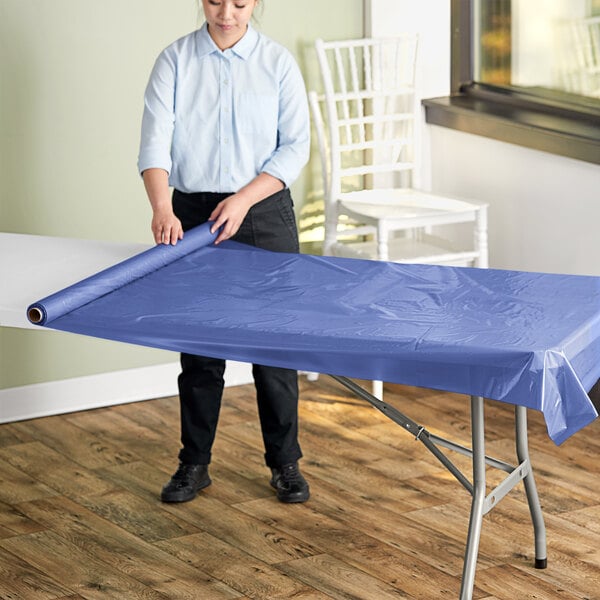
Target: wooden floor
(80, 515)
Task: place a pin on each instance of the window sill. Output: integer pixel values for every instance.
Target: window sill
(535, 118)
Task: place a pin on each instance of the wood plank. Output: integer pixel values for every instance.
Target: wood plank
(509, 582)
(19, 579)
(144, 479)
(84, 448)
(53, 470)
(359, 448)
(115, 428)
(128, 554)
(232, 487)
(236, 568)
(241, 531)
(374, 518)
(162, 422)
(146, 520)
(335, 408)
(453, 520)
(390, 563)
(340, 580)
(51, 554)
(10, 435)
(14, 522)
(16, 485)
(588, 518)
(242, 449)
(567, 572)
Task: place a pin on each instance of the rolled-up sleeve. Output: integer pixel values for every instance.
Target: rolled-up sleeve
(159, 116)
(293, 128)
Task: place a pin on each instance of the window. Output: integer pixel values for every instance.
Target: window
(526, 72)
(529, 43)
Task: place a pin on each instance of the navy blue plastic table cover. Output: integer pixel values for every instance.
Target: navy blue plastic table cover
(529, 339)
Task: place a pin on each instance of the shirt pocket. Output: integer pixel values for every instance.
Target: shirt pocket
(257, 113)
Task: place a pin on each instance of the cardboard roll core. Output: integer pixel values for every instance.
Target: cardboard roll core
(35, 315)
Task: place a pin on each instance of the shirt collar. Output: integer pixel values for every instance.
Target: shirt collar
(243, 48)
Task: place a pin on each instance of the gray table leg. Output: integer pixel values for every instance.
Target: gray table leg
(539, 528)
(479, 495)
(481, 503)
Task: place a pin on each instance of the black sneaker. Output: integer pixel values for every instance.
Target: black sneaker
(187, 481)
(290, 484)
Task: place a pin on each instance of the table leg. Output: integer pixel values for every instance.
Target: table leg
(481, 503)
(539, 528)
(479, 494)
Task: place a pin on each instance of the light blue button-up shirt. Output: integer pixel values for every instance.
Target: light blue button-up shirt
(216, 119)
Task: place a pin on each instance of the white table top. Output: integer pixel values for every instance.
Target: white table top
(35, 266)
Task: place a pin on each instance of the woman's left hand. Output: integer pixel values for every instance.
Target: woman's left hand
(229, 213)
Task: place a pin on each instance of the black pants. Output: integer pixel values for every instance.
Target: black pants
(270, 225)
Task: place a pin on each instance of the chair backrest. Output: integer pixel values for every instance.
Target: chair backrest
(580, 56)
(586, 34)
(369, 102)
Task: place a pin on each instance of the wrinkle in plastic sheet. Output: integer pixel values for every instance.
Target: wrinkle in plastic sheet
(525, 338)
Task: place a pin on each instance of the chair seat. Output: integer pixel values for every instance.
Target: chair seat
(406, 208)
(426, 250)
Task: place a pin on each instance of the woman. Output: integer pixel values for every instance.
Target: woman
(226, 125)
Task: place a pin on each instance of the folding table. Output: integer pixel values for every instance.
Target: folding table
(528, 339)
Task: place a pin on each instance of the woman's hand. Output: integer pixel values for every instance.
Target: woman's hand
(166, 227)
(229, 214)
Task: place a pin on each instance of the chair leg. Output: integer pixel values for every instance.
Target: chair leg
(383, 252)
(481, 238)
(378, 389)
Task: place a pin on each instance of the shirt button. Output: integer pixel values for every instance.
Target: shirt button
(226, 169)
(225, 81)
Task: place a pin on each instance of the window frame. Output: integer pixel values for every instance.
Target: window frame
(549, 120)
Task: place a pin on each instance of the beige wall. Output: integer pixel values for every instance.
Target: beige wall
(72, 76)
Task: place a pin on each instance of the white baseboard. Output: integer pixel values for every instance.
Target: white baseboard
(105, 389)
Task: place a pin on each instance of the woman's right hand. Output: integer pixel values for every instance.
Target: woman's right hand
(166, 227)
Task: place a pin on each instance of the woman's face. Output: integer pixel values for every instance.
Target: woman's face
(228, 20)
